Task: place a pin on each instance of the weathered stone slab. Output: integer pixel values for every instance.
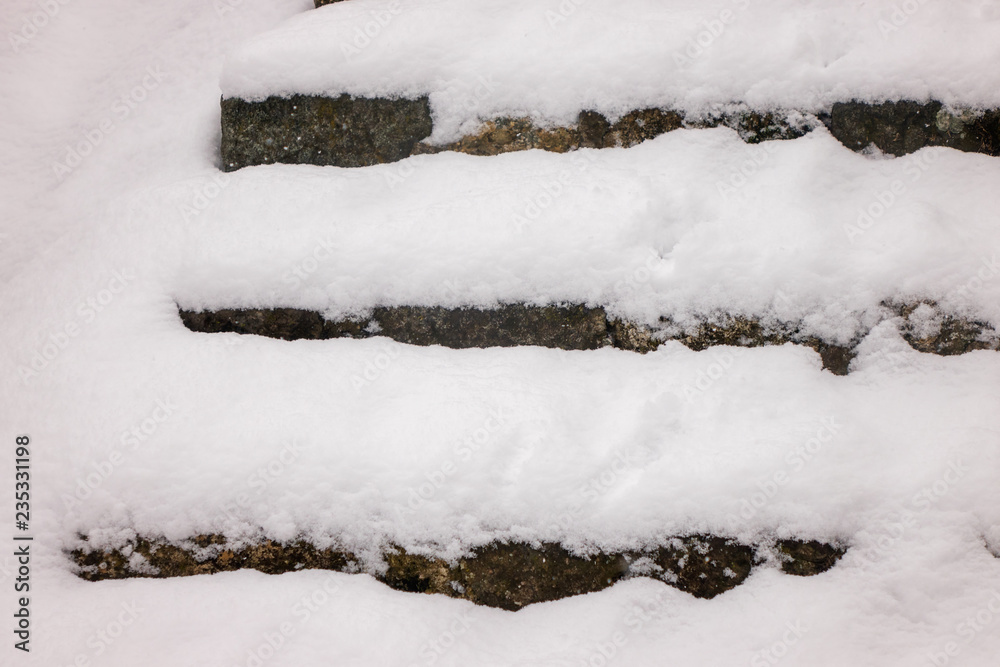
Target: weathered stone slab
(564, 327)
(573, 327)
(503, 575)
(343, 131)
(204, 554)
(355, 132)
(702, 565)
(899, 128)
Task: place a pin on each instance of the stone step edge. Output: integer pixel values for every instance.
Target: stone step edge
(572, 327)
(351, 131)
(507, 575)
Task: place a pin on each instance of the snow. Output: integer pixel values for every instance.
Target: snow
(95, 262)
(553, 59)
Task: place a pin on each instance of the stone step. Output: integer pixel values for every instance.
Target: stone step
(350, 131)
(505, 575)
(575, 327)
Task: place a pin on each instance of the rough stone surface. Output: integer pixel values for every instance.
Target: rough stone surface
(504, 575)
(805, 559)
(283, 323)
(413, 573)
(702, 565)
(344, 131)
(948, 335)
(512, 576)
(506, 135)
(955, 336)
(564, 327)
(205, 554)
(572, 327)
(906, 126)
(354, 132)
(735, 331)
(593, 130)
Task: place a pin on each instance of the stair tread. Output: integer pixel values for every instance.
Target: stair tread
(689, 224)
(490, 57)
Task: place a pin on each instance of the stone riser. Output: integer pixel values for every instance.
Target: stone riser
(563, 327)
(505, 575)
(357, 132)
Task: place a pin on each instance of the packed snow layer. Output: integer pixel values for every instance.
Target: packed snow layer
(194, 416)
(371, 441)
(550, 60)
(689, 224)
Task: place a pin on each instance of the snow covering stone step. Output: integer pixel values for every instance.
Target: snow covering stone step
(576, 327)
(354, 132)
(691, 223)
(505, 575)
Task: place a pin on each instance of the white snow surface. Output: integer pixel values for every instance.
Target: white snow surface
(599, 449)
(554, 58)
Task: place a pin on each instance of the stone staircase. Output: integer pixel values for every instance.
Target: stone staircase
(342, 130)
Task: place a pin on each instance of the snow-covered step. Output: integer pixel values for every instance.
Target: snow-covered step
(505, 575)
(441, 452)
(693, 228)
(691, 62)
